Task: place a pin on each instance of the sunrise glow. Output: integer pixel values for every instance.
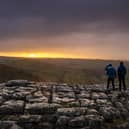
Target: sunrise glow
(44, 55)
(32, 55)
(36, 55)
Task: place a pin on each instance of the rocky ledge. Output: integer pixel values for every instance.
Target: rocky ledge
(25, 105)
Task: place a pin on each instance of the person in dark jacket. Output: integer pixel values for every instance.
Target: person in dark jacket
(111, 73)
(121, 75)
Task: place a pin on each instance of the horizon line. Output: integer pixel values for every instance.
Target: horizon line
(74, 58)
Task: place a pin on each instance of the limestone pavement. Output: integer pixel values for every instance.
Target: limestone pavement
(38, 105)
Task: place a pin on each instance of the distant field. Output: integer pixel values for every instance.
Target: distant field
(55, 70)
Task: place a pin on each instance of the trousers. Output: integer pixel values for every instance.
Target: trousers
(121, 82)
(112, 81)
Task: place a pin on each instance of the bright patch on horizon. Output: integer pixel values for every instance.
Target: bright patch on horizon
(32, 55)
(42, 55)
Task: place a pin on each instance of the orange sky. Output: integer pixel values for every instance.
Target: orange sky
(74, 45)
(44, 55)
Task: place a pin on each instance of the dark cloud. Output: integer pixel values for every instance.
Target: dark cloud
(27, 18)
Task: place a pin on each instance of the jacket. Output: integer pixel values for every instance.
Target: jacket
(121, 71)
(111, 72)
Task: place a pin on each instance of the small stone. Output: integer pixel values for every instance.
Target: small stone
(41, 108)
(123, 126)
(15, 126)
(119, 105)
(37, 100)
(103, 96)
(124, 113)
(1, 100)
(74, 104)
(85, 102)
(45, 125)
(94, 121)
(95, 95)
(84, 95)
(62, 122)
(92, 112)
(17, 83)
(77, 122)
(101, 101)
(30, 119)
(109, 113)
(72, 112)
(6, 124)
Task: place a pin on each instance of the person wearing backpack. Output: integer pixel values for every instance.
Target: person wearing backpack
(111, 74)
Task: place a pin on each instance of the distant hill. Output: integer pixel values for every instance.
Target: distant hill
(56, 70)
(9, 73)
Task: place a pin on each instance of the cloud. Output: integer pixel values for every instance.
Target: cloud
(98, 28)
(47, 18)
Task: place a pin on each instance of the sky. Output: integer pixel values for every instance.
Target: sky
(97, 29)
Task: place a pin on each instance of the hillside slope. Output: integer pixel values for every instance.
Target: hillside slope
(71, 71)
(9, 73)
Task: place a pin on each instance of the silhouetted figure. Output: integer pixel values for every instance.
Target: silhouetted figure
(111, 73)
(121, 75)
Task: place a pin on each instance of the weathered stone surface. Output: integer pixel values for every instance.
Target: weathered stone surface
(77, 122)
(40, 108)
(63, 100)
(101, 101)
(96, 95)
(92, 112)
(71, 111)
(1, 100)
(9, 125)
(62, 122)
(74, 104)
(119, 105)
(30, 119)
(44, 126)
(25, 105)
(109, 113)
(124, 113)
(94, 121)
(12, 107)
(85, 102)
(17, 83)
(14, 126)
(123, 126)
(33, 99)
(50, 118)
(84, 94)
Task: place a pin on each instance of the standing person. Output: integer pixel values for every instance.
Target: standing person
(121, 75)
(111, 74)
